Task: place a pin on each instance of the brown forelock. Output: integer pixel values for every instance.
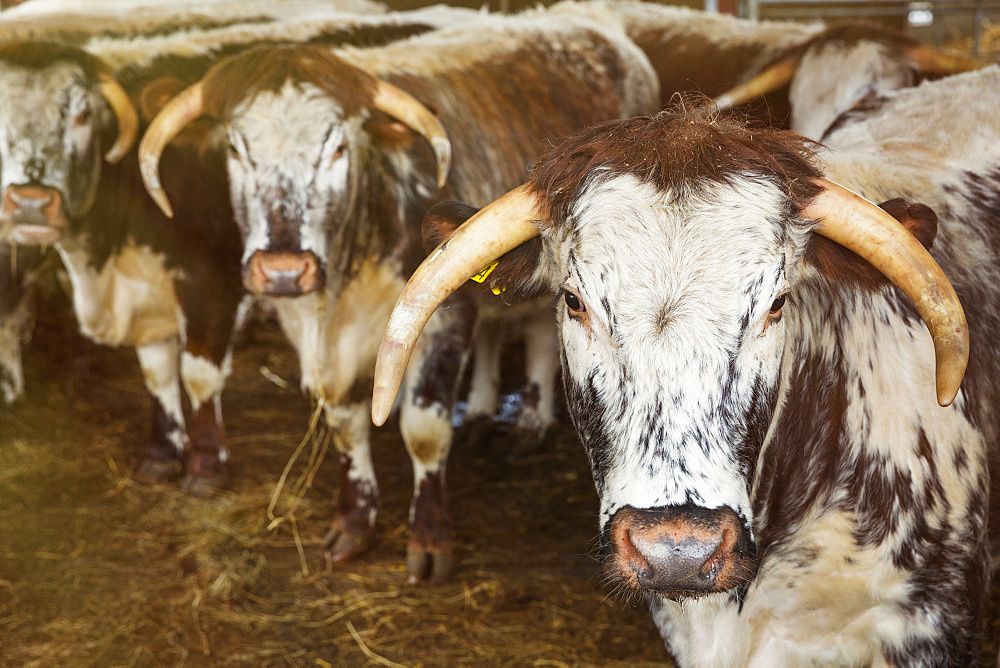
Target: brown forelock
(676, 151)
(840, 264)
(268, 68)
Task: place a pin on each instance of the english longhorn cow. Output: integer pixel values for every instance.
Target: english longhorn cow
(330, 178)
(136, 280)
(842, 68)
(784, 472)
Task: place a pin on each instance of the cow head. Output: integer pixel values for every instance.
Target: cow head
(843, 67)
(680, 250)
(60, 110)
(310, 138)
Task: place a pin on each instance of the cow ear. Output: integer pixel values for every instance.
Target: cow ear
(839, 263)
(515, 274)
(156, 94)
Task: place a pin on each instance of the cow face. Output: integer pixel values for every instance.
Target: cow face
(51, 133)
(295, 163)
(672, 340)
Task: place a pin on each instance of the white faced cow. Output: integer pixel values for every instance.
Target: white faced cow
(330, 175)
(784, 471)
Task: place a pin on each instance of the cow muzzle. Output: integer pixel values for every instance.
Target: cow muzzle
(35, 214)
(283, 274)
(680, 551)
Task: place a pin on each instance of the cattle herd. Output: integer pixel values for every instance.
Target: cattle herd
(786, 393)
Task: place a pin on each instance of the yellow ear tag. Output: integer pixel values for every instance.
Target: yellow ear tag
(484, 272)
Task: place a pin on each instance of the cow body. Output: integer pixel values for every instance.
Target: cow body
(758, 406)
(329, 194)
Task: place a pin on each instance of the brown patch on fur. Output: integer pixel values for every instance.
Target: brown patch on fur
(269, 68)
(40, 55)
(156, 94)
(676, 151)
(354, 501)
(206, 437)
(840, 264)
(431, 518)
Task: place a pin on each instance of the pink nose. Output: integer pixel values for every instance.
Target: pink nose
(32, 205)
(680, 551)
(283, 274)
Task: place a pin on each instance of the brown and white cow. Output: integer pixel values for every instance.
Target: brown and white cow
(136, 279)
(843, 68)
(334, 157)
(748, 351)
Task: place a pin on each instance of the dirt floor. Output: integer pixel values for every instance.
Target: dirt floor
(99, 568)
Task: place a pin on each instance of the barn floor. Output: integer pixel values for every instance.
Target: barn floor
(99, 568)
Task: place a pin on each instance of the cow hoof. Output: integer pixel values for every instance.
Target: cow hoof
(159, 470)
(342, 543)
(433, 566)
(202, 486)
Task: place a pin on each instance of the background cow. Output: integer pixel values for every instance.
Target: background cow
(843, 68)
(759, 406)
(330, 178)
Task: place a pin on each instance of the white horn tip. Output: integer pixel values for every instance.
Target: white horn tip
(442, 149)
(723, 102)
(114, 154)
(161, 200)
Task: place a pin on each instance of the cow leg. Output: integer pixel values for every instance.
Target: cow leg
(160, 370)
(539, 394)
(14, 299)
(353, 528)
(485, 383)
(425, 422)
(211, 318)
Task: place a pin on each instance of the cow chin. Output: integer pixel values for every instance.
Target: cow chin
(679, 551)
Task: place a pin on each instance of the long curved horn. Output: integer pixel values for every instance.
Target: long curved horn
(188, 105)
(936, 61)
(128, 119)
(499, 227)
(770, 79)
(855, 223)
(407, 109)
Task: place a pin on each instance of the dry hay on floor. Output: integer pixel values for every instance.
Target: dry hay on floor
(100, 568)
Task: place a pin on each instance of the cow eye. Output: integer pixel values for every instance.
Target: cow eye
(574, 304)
(338, 153)
(776, 305)
(81, 116)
